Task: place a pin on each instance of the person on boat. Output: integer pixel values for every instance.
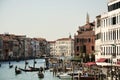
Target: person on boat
(54, 71)
(40, 74)
(17, 71)
(15, 68)
(9, 63)
(41, 69)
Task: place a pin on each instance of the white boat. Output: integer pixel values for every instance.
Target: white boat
(65, 76)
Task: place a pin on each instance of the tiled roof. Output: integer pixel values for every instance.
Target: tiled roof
(64, 39)
(86, 34)
(51, 41)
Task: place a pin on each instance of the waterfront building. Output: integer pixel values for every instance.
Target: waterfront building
(84, 41)
(64, 47)
(107, 31)
(1, 48)
(21, 47)
(52, 48)
(35, 48)
(11, 44)
(43, 47)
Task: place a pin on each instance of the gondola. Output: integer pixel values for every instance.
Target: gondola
(10, 66)
(28, 70)
(40, 75)
(17, 71)
(33, 68)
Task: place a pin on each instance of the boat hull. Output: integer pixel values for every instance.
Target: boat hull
(27, 70)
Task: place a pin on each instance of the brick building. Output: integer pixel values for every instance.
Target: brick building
(84, 41)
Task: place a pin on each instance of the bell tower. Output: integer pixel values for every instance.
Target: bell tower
(87, 18)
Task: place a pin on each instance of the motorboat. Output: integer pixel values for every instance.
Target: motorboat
(65, 76)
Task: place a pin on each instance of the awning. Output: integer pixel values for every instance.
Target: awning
(101, 60)
(118, 62)
(90, 63)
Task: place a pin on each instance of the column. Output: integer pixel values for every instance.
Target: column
(111, 35)
(116, 34)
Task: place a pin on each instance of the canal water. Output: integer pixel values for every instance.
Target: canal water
(7, 73)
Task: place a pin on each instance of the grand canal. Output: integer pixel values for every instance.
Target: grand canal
(7, 73)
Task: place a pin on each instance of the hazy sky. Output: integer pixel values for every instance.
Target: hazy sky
(50, 19)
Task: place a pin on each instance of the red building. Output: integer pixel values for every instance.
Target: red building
(84, 41)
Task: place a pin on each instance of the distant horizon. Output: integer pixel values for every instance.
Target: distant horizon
(49, 19)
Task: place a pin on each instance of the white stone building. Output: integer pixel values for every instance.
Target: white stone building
(64, 47)
(107, 30)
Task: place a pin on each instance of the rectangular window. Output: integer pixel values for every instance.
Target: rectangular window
(89, 40)
(106, 51)
(98, 22)
(109, 35)
(117, 19)
(77, 48)
(119, 5)
(77, 40)
(117, 50)
(92, 48)
(103, 23)
(98, 36)
(114, 35)
(119, 33)
(113, 20)
(103, 50)
(1, 44)
(114, 6)
(103, 36)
